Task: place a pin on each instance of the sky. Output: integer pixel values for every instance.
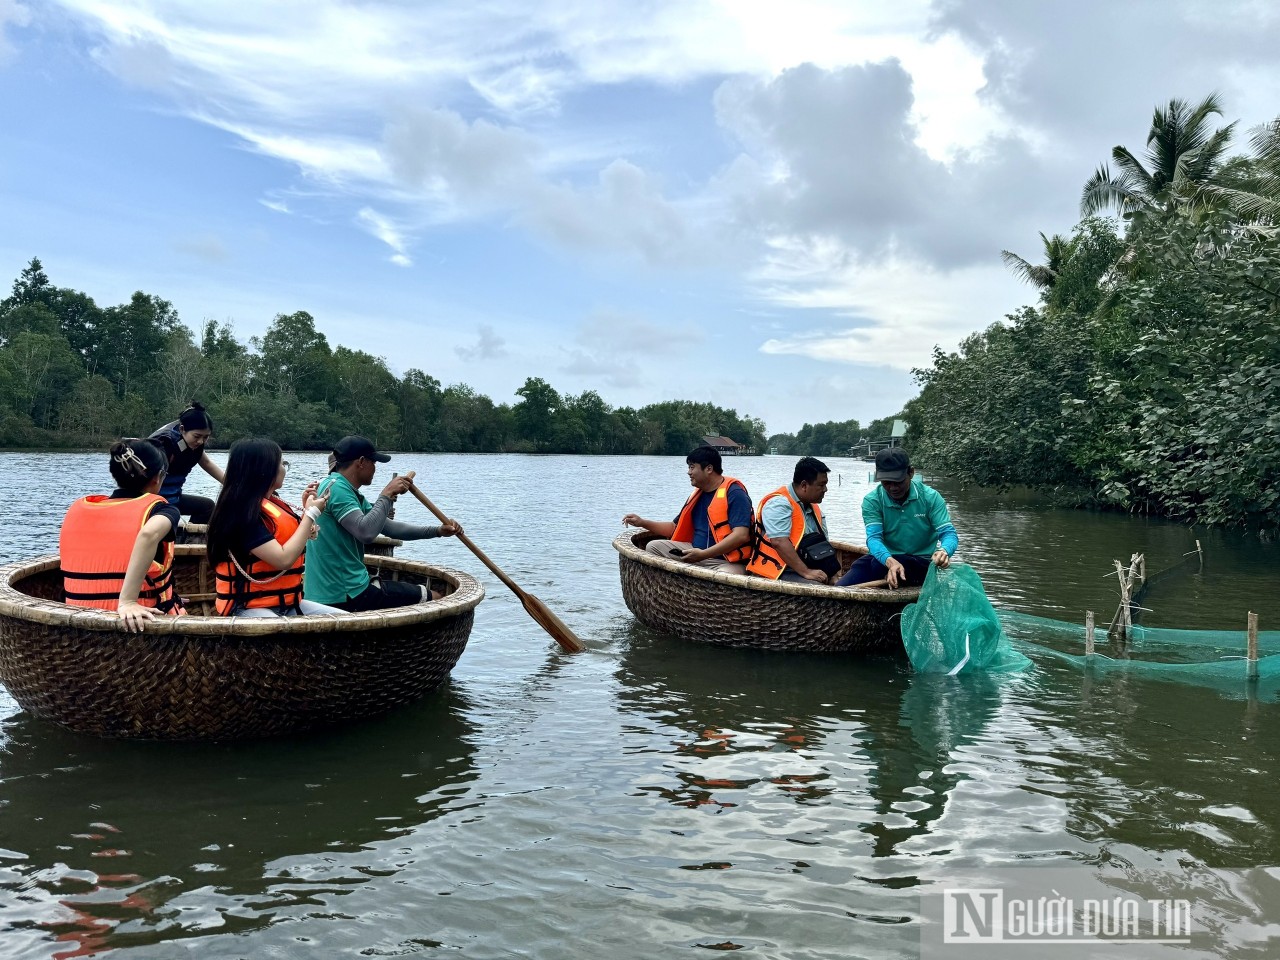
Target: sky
(781, 208)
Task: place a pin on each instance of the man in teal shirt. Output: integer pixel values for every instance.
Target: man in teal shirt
(335, 560)
(908, 527)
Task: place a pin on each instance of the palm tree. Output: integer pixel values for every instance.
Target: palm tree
(1256, 197)
(1043, 275)
(1183, 157)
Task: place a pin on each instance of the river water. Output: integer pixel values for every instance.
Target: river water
(651, 797)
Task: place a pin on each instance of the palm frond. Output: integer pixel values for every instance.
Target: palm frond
(1132, 172)
(1103, 190)
(1260, 204)
(1024, 270)
(1265, 142)
(1205, 161)
(1210, 106)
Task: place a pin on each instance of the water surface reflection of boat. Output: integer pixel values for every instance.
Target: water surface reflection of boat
(114, 843)
(867, 737)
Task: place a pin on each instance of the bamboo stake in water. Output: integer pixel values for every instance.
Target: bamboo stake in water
(1253, 645)
(1088, 633)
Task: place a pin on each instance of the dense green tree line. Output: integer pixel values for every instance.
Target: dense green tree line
(74, 374)
(1148, 375)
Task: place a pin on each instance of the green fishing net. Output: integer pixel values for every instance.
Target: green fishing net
(954, 629)
(1205, 658)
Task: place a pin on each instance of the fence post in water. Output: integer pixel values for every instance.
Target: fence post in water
(1123, 620)
(1253, 646)
(1088, 633)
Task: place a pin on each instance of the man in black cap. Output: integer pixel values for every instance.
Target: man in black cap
(335, 561)
(908, 527)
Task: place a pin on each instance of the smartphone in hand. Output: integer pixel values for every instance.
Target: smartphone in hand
(676, 551)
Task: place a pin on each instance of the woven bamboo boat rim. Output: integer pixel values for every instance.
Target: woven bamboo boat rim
(466, 595)
(625, 544)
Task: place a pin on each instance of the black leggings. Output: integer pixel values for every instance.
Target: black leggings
(381, 595)
(867, 568)
(198, 509)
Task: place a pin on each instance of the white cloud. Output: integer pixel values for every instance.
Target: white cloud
(333, 159)
(488, 346)
(609, 331)
(388, 232)
(432, 148)
(889, 312)
(346, 95)
(885, 152)
(1036, 56)
(614, 349)
(15, 14)
(624, 211)
(143, 63)
(603, 370)
(834, 153)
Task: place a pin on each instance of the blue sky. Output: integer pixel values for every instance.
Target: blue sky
(778, 207)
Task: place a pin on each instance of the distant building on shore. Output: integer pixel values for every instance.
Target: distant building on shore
(866, 449)
(724, 446)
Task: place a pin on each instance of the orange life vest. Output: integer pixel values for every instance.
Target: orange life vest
(260, 584)
(717, 517)
(95, 545)
(765, 559)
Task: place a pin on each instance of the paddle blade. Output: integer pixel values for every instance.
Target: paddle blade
(551, 623)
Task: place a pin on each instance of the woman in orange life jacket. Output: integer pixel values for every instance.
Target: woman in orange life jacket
(117, 551)
(713, 528)
(256, 540)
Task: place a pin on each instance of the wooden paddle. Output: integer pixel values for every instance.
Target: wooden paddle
(541, 614)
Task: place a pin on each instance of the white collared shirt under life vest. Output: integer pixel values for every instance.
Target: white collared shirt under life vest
(717, 518)
(765, 559)
(265, 585)
(95, 545)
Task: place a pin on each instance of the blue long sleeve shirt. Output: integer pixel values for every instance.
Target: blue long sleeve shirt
(916, 526)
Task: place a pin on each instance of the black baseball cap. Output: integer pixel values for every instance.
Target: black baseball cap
(353, 448)
(892, 464)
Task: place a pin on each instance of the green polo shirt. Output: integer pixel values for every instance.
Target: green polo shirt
(913, 526)
(335, 559)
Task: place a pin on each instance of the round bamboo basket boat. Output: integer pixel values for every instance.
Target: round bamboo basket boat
(199, 533)
(695, 603)
(203, 677)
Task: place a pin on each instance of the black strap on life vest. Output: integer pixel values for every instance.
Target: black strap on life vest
(759, 542)
(158, 590)
(238, 591)
(77, 595)
(150, 590)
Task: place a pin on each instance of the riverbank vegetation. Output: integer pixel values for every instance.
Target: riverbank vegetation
(1147, 376)
(74, 374)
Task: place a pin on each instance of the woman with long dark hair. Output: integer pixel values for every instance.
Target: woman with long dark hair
(256, 540)
(184, 441)
(117, 551)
